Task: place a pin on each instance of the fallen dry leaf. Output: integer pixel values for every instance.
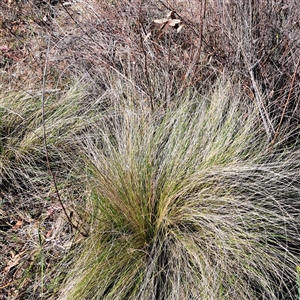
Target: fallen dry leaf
(14, 261)
(49, 233)
(17, 225)
(161, 21)
(165, 23)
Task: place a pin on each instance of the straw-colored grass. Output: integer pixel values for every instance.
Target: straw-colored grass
(22, 149)
(27, 192)
(192, 203)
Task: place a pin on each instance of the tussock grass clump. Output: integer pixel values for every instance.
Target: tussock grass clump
(22, 130)
(192, 203)
(27, 192)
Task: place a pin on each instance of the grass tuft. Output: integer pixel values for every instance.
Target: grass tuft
(188, 204)
(22, 152)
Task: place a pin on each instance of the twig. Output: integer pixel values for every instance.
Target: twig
(258, 97)
(260, 104)
(46, 146)
(197, 56)
(287, 101)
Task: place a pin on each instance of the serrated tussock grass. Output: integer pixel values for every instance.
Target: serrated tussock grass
(192, 203)
(23, 134)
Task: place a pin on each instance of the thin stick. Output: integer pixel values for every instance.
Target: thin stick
(287, 102)
(46, 146)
